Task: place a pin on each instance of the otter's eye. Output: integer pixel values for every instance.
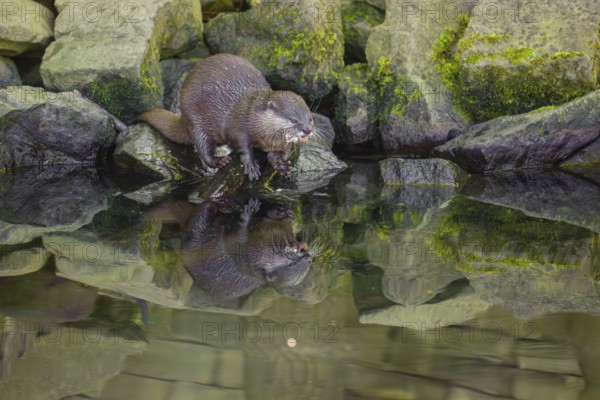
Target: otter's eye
(293, 120)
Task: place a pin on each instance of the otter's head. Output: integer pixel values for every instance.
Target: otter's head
(280, 261)
(292, 116)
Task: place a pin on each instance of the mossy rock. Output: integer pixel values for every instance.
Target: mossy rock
(142, 149)
(297, 45)
(524, 58)
(26, 27)
(115, 61)
(420, 112)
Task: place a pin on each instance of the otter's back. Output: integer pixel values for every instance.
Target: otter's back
(213, 88)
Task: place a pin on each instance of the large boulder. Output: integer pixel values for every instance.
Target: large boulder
(298, 45)
(522, 55)
(39, 127)
(9, 76)
(418, 111)
(113, 57)
(26, 27)
(542, 137)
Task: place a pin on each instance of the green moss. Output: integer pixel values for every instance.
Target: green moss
(318, 49)
(508, 81)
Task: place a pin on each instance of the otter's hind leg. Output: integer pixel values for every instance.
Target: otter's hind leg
(206, 148)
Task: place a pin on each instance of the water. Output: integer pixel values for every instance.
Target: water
(118, 288)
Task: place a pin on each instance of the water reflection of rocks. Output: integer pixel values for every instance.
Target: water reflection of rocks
(435, 292)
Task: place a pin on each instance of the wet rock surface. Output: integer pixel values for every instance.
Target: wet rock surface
(542, 137)
(45, 128)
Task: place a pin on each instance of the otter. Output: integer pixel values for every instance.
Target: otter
(229, 253)
(227, 100)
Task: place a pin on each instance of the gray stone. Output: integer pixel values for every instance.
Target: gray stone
(36, 201)
(143, 149)
(39, 127)
(113, 57)
(9, 76)
(542, 137)
(527, 42)
(418, 109)
(26, 26)
(298, 45)
(589, 154)
(420, 172)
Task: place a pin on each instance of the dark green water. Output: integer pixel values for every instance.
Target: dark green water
(115, 289)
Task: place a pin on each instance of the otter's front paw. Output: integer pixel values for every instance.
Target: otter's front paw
(223, 161)
(283, 167)
(252, 170)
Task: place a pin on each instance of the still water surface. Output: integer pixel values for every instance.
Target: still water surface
(346, 290)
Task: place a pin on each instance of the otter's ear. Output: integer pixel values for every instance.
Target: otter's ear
(271, 106)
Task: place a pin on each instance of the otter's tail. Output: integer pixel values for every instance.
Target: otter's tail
(167, 123)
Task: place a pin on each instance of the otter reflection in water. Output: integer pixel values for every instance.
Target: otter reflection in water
(229, 253)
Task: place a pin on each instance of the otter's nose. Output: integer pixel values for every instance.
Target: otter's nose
(306, 130)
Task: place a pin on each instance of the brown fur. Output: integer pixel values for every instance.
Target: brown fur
(226, 100)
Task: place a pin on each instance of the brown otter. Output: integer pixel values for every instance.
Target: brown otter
(229, 253)
(227, 100)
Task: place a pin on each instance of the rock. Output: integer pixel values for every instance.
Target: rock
(418, 111)
(541, 194)
(316, 154)
(524, 42)
(9, 76)
(21, 259)
(356, 108)
(358, 19)
(589, 154)
(35, 201)
(420, 172)
(26, 27)
(38, 127)
(115, 60)
(297, 45)
(542, 137)
(173, 73)
(142, 149)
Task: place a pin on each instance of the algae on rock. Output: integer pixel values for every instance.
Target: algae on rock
(424, 115)
(298, 45)
(522, 59)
